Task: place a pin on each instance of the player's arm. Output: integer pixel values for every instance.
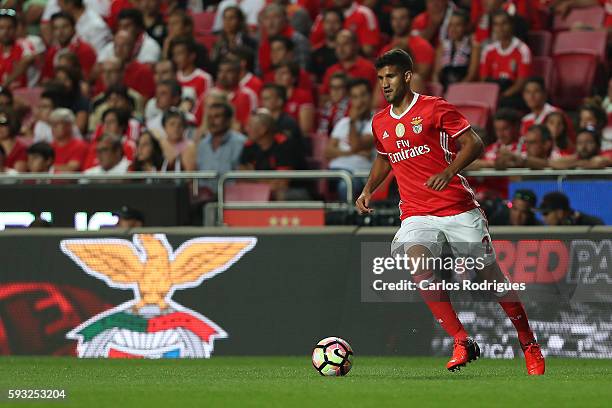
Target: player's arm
(379, 172)
(471, 149)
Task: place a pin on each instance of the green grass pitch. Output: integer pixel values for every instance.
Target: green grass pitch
(292, 382)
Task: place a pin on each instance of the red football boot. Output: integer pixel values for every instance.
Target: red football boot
(534, 358)
(464, 351)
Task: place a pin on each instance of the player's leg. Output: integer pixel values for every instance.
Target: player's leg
(419, 239)
(469, 233)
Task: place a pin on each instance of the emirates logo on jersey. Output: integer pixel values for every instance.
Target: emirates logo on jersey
(407, 152)
(417, 124)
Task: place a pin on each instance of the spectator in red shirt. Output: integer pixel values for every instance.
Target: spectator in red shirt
(506, 130)
(300, 104)
(458, 57)
(432, 24)
(421, 51)
(558, 125)
(183, 54)
(241, 98)
(523, 11)
(507, 62)
(337, 105)
(274, 22)
(136, 75)
(535, 96)
(15, 149)
(65, 38)
(69, 151)
(332, 21)
(357, 18)
(15, 58)
(349, 62)
(114, 122)
(246, 56)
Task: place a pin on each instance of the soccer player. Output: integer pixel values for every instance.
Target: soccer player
(415, 137)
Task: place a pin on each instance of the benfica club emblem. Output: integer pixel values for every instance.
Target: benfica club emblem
(152, 325)
(417, 124)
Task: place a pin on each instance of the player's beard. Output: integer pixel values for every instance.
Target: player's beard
(398, 95)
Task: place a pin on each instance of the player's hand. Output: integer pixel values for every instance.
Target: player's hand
(363, 204)
(438, 182)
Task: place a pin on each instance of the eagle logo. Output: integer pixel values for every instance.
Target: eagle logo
(152, 325)
(417, 124)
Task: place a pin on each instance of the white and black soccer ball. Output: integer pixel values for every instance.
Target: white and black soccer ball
(332, 357)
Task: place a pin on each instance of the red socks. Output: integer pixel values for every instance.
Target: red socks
(516, 313)
(441, 307)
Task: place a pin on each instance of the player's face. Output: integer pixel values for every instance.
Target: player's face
(586, 147)
(519, 212)
(505, 132)
(400, 21)
(534, 95)
(394, 83)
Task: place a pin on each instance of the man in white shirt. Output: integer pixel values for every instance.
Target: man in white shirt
(109, 150)
(147, 50)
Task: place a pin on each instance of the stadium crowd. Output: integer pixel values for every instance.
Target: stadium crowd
(116, 86)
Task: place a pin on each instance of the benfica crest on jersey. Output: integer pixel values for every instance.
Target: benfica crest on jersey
(417, 124)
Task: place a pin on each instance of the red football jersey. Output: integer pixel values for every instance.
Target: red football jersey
(419, 143)
(510, 63)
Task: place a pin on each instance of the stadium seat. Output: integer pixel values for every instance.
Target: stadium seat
(581, 41)
(434, 89)
(29, 96)
(247, 192)
(543, 67)
(207, 39)
(574, 74)
(475, 94)
(592, 16)
(203, 22)
(540, 43)
(477, 113)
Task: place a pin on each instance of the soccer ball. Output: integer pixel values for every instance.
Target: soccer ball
(332, 356)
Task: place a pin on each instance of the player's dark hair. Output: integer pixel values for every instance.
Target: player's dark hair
(280, 90)
(355, 82)
(289, 45)
(543, 131)
(536, 80)
(398, 58)
(42, 149)
(336, 11)
(508, 115)
(134, 15)
(65, 16)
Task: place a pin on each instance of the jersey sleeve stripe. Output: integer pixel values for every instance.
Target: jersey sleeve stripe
(461, 131)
